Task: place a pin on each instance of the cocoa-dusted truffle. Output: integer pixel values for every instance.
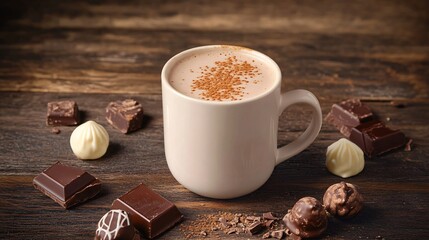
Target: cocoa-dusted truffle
(307, 218)
(115, 225)
(343, 200)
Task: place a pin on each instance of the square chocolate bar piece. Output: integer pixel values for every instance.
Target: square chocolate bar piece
(126, 115)
(349, 114)
(63, 113)
(68, 186)
(150, 213)
(374, 138)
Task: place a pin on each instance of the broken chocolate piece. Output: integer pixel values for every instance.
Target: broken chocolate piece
(374, 138)
(255, 227)
(68, 186)
(149, 212)
(63, 113)
(126, 115)
(348, 114)
(268, 223)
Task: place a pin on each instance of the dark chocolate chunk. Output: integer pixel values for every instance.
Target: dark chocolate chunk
(115, 225)
(126, 115)
(68, 186)
(348, 114)
(374, 138)
(149, 212)
(63, 113)
(307, 218)
(255, 228)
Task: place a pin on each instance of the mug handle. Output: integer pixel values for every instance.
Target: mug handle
(309, 135)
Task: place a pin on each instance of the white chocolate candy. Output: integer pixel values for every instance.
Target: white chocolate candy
(344, 158)
(89, 141)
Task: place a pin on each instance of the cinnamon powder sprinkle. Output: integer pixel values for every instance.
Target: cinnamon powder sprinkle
(225, 81)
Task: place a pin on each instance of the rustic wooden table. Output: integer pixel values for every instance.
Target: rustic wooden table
(98, 51)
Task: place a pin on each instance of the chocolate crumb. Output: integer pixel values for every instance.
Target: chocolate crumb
(55, 130)
(408, 145)
(277, 234)
(216, 224)
(223, 222)
(266, 235)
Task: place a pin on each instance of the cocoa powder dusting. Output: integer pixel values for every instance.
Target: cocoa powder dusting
(226, 80)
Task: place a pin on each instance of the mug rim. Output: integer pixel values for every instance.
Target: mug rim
(173, 60)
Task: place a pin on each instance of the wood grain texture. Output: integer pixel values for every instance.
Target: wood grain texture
(366, 49)
(98, 51)
(395, 185)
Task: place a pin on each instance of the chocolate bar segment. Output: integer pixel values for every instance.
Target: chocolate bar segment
(150, 213)
(126, 115)
(374, 138)
(348, 114)
(63, 113)
(68, 186)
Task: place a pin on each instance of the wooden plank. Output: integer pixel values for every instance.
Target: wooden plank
(395, 185)
(334, 48)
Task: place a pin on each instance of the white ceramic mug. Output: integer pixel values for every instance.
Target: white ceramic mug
(229, 149)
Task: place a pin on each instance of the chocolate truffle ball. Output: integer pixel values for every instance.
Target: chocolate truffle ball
(343, 200)
(307, 218)
(115, 225)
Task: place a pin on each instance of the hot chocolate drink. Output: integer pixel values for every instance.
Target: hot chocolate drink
(224, 73)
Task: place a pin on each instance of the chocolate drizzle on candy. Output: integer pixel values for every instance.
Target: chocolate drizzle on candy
(307, 218)
(115, 225)
(343, 200)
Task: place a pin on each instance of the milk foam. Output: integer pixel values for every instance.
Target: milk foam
(190, 68)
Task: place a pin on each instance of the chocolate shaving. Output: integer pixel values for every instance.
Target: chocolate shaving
(269, 216)
(268, 223)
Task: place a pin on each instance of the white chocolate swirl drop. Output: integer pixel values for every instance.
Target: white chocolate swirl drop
(344, 158)
(89, 141)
